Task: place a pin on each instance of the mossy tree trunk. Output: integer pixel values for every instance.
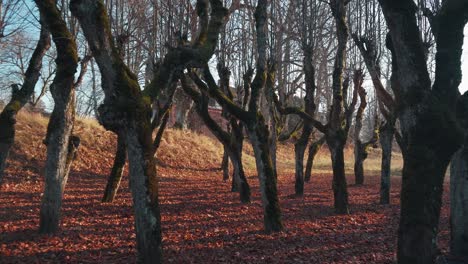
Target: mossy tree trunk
(459, 202)
(430, 132)
(309, 104)
(340, 116)
(339, 185)
(386, 102)
(127, 110)
(314, 148)
(21, 96)
(255, 123)
(459, 189)
(259, 137)
(299, 150)
(231, 146)
(387, 131)
(61, 145)
(225, 166)
(113, 182)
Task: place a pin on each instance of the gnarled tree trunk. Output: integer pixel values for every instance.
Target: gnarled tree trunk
(314, 148)
(20, 97)
(430, 133)
(459, 203)
(258, 135)
(113, 182)
(299, 150)
(387, 131)
(61, 146)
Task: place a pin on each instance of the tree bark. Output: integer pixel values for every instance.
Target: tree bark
(314, 148)
(360, 152)
(61, 146)
(258, 135)
(20, 97)
(459, 203)
(225, 165)
(424, 109)
(339, 185)
(299, 151)
(231, 143)
(386, 141)
(337, 132)
(113, 182)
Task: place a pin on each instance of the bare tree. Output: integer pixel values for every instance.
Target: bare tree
(21, 96)
(61, 144)
(423, 107)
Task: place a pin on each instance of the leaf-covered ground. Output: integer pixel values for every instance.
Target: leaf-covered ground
(203, 222)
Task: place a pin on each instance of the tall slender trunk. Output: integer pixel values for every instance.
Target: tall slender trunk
(359, 162)
(60, 152)
(339, 185)
(314, 148)
(61, 145)
(299, 151)
(459, 202)
(259, 137)
(145, 190)
(113, 182)
(386, 142)
(225, 165)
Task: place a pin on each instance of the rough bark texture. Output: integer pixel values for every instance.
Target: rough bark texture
(21, 96)
(459, 189)
(360, 151)
(309, 104)
(126, 112)
(339, 122)
(314, 148)
(367, 48)
(113, 182)
(258, 135)
(225, 167)
(61, 146)
(387, 131)
(459, 203)
(183, 105)
(256, 124)
(232, 148)
(430, 133)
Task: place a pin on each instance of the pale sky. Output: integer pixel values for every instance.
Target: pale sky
(464, 83)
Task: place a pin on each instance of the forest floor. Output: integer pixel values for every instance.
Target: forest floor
(203, 222)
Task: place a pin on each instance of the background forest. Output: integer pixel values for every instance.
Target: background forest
(251, 131)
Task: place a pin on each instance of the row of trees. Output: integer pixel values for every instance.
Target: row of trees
(307, 81)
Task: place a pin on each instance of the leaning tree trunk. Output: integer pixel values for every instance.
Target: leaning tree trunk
(459, 203)
(386, 142)
(259, 137)
(314, 148)
(115, 176)
(20, 97)
(299, 151)
(61, 146)
(232, 143)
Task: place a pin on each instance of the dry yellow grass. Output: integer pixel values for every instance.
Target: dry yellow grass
(186, 149)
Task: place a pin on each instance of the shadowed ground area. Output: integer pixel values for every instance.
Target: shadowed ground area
(203, 222)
